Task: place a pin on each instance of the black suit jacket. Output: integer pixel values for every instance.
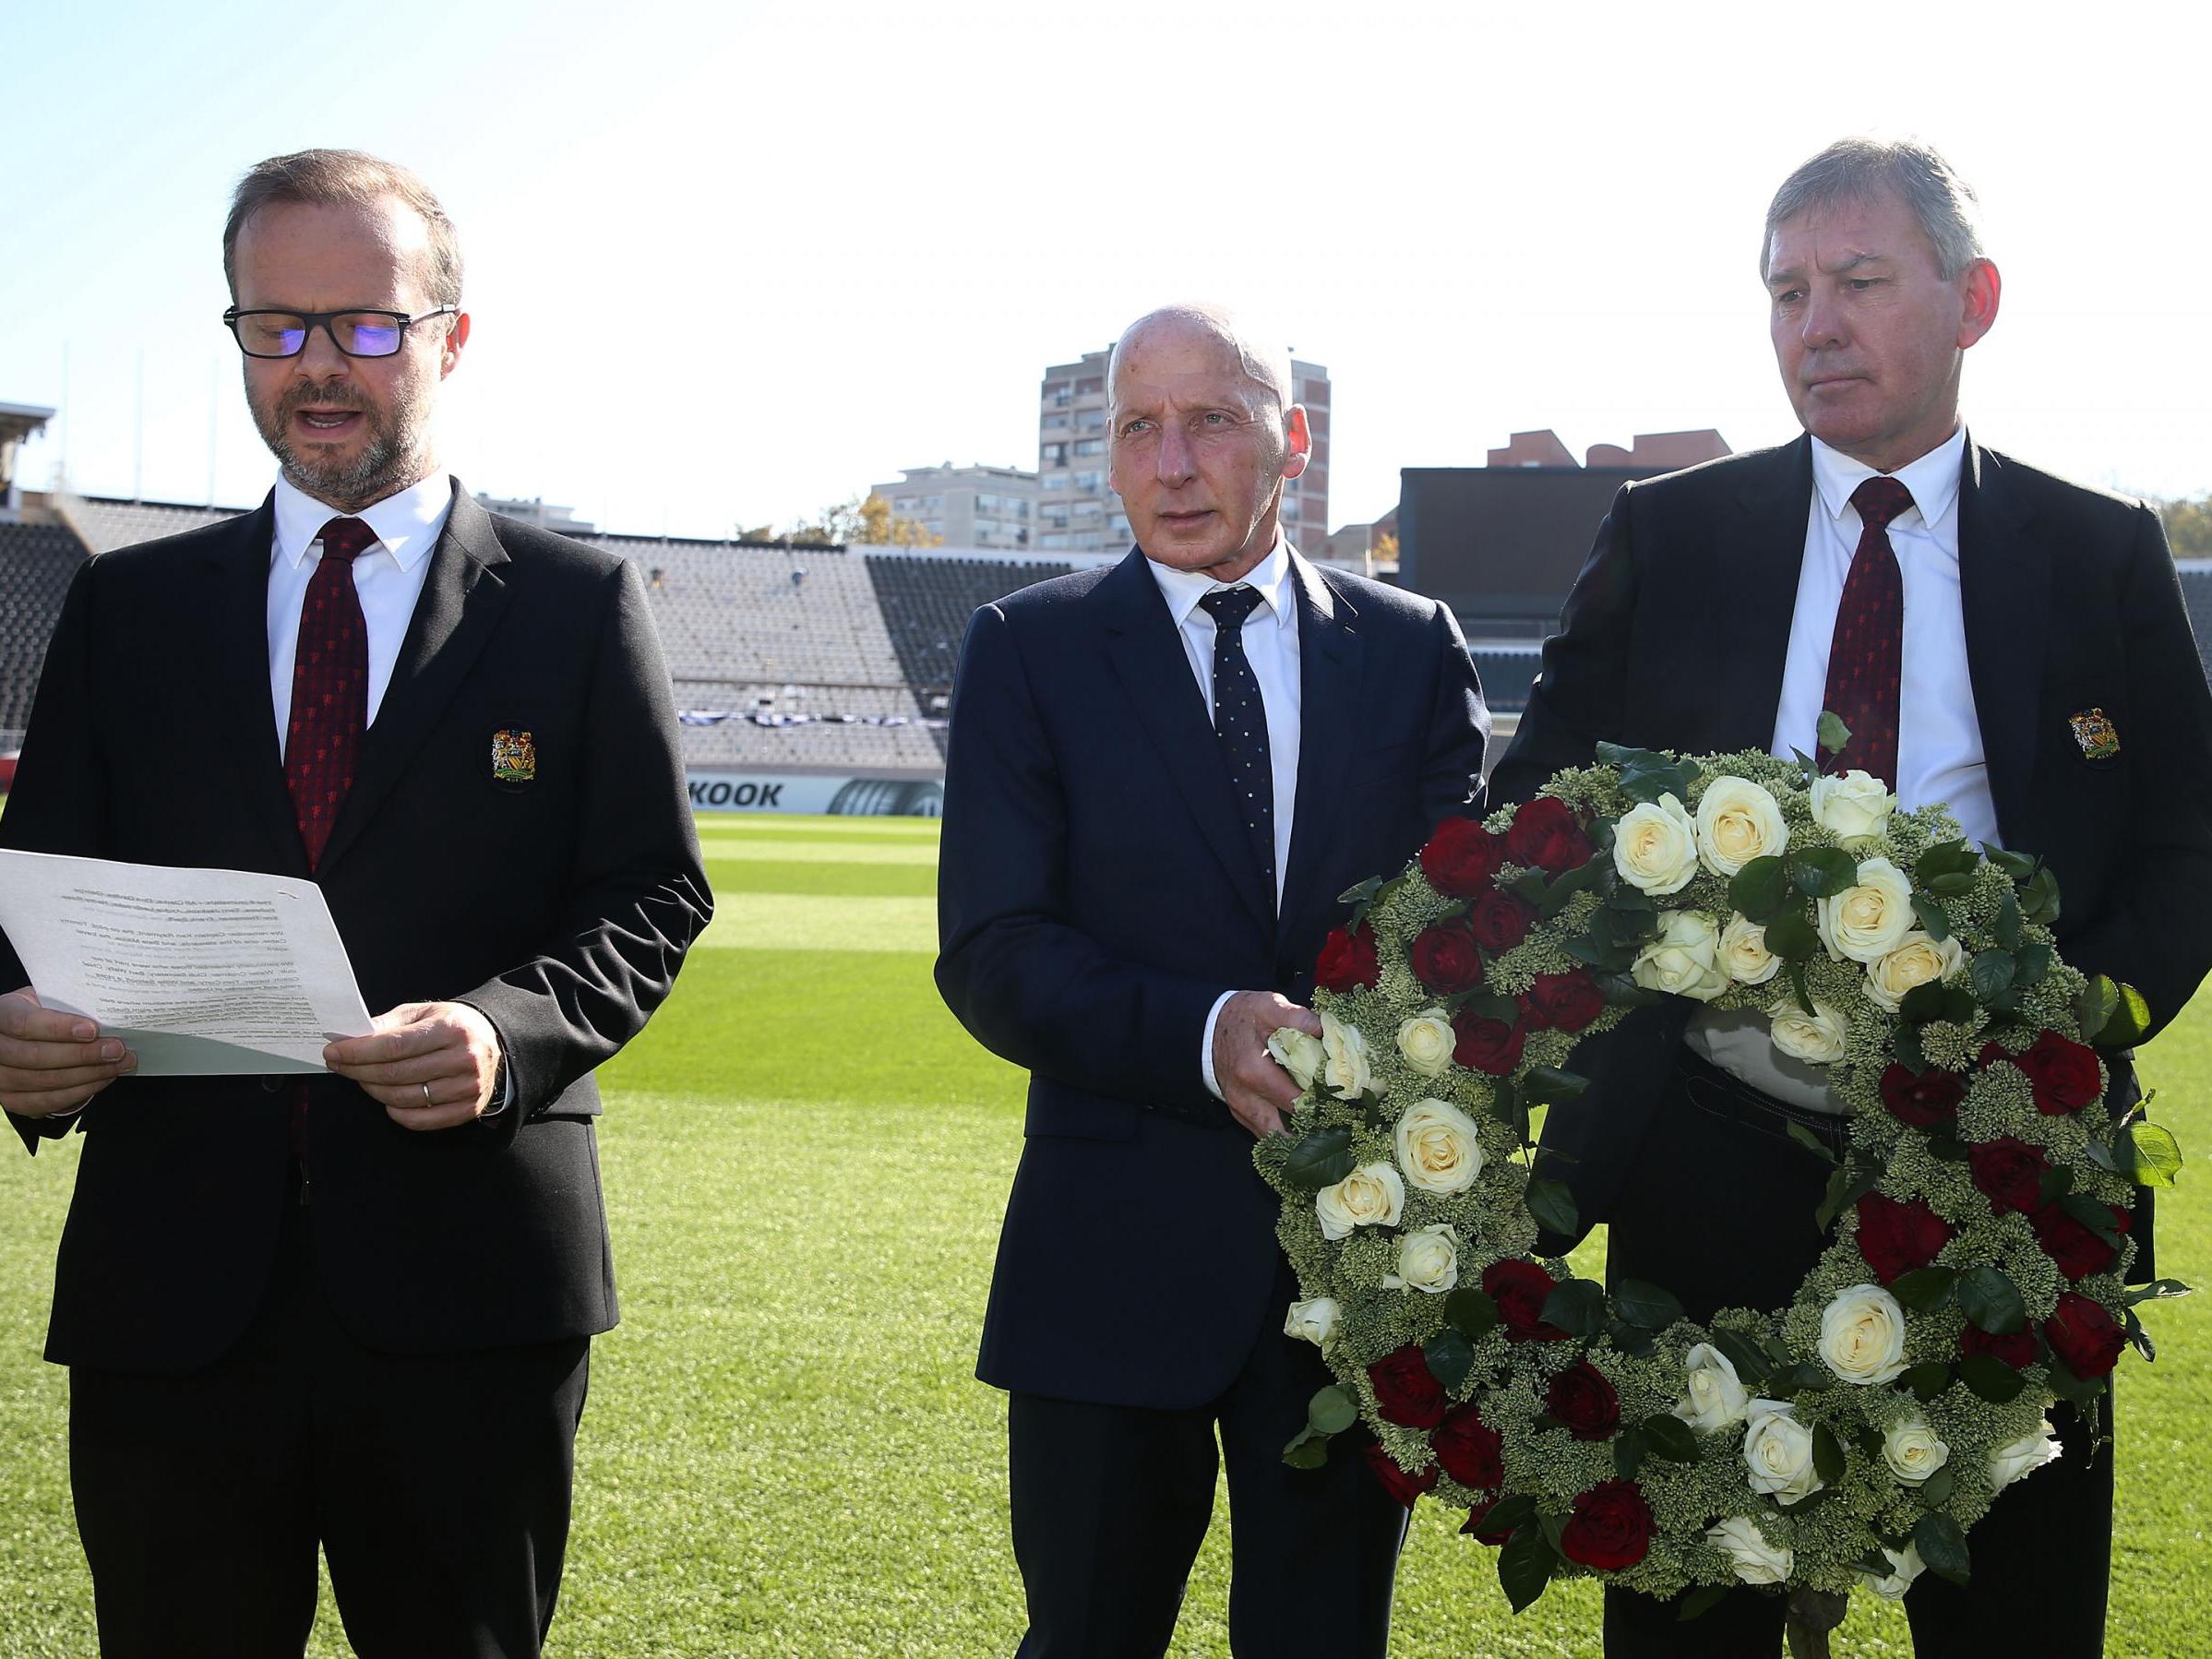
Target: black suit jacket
(1675, 637)
(1097, 893)
(559, 907)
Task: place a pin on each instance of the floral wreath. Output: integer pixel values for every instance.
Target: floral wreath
(1981, 1210)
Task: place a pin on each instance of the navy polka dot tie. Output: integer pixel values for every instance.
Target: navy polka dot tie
(1241, 724)
(1867, 654)
(329, 687)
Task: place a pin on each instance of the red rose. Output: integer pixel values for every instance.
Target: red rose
(1462, 857)
(1470, 1450)
(1582, 1402)
(1347, 960)
(1406, 1391)
(1401, 1485)
(1500, 920)
(1922, 1099)
(1894, 1238)
(1611, 1528)
(1473, 1527)
(1564, 1002)
(1545, 836)
(1521, 1289)
(1489, 1046)
(2083, 1334)
(2017, 1350)
(2077, 1251)
(2010, 1174)
(2064, 1074)
(1445, 959)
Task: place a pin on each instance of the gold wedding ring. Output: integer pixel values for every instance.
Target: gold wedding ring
(426, 1100)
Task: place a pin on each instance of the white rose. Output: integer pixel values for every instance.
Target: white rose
(1427, 1040)
(1917, 960)
(1744, 957)
(1819, 1036)
(1684, 961)
(1371, 1196)
(1737, 821)
(1904, 1567)
(1298, 1054)
(1867, 921)
(1428, 1260)
(1756, 1561)
(1912, 1450)
(1862, 1334)
(1314, 1321)
(1855, 806)
(2030, 1451)
(1344, 1067)
(1777, 1450)
(1655, 846)
(1437, 1148)
(1717, 1396)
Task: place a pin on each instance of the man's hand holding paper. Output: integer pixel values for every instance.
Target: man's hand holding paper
(52, 1062)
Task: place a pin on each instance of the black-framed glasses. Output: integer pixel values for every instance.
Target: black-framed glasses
(356, 333)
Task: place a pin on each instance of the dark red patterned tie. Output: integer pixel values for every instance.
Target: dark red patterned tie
(1866, 657)
(329, 687)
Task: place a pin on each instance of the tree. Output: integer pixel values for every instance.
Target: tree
(879, 527)
(1385, 550)
(854, 521)
(2188, 527)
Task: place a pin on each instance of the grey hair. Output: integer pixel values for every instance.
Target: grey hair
(329, 178)
(1855, 170)
(1267, 367)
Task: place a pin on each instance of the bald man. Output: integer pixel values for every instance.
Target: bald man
(1161, 775)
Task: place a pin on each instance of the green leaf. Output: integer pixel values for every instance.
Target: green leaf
(2007, 925)
(1331, 1412)
(2058, 1378)
(1833, 734)
(1320, 1159)
(1524, 1566)
(2151, 1154)
(2093, 1215)
(1992, 1301)
(1362, 894)
(2055, 1184)
(1699, 1600)
(1959, 1005)
(1555, 894)
(1632, 1339)
(1945, 858)
(1306, 1451)
(1993, 972)
(2040, 897)
(1471, 1311)
(1670, 1438)
(1922, 1004)
(1927, 1381)
(1823, 872)
(1828, 1454)
(2130, 1023)
(1646, 1305)
(2158, 1290)
(2138, 1336)
(1925, 1289)
(1807, 1139)
(2099, 1001)
(1451, 1357)
(1752, 1365)
(1989, 1378)
(1936, 1490)
(1629, 1447)
(1909, 1049)
(2018, 866)
(2098, 1153)
(1933, 917)
(1942, 1546)
(1485, 1005)
(1621, 992)
(1548, 1085)
(1510, 1514)
(1797, 988)
(1847, 1183)
(1553, 1207)
(1954, 881)
(1791, 935)
(1576, 1305)
(1808, 1376)
(1760, 887)
(2034, 964)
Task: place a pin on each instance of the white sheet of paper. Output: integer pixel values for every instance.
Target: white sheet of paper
(201, 973)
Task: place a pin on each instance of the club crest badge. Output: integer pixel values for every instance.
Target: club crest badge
(2097, 735)
(514, 757)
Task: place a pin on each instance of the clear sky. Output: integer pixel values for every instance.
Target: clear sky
(728, 263)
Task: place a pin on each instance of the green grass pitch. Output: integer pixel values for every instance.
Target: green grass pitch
(785, 1452)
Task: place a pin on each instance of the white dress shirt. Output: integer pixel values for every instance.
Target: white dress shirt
(388, 578)
(1270, 646)
(1940, 755)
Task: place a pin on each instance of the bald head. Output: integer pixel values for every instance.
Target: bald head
(1267, 367)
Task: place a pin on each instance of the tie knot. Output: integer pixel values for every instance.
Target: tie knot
(1230, 606)
(346, 539)
(1879, 500)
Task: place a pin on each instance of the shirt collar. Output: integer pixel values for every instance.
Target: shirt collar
(1933, 480)
(407, 524)
(1272, 576)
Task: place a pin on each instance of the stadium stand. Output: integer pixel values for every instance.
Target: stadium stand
(36, 562)
(1508, 672)
(926, 602)
(106, 522)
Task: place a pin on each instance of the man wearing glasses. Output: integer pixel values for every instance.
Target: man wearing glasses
(353, 1310)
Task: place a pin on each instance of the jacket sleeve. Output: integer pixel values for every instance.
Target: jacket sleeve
(1029, 984)
(1459, 730)
(1579, 696)
(637, 896)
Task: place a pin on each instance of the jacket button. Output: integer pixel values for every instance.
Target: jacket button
(271, 1085)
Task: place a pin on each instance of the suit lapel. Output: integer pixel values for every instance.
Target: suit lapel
(2004, 595)
(1330, 659)
(1756, 559)
(236, 627)
(463, 595)
(1147, 658)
